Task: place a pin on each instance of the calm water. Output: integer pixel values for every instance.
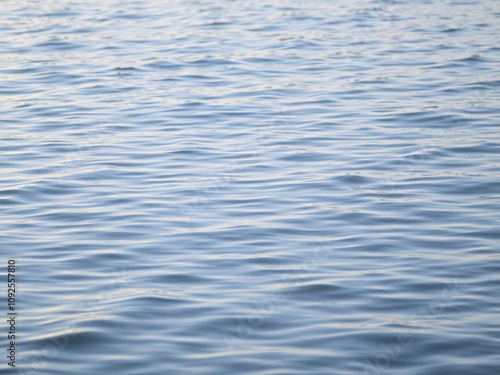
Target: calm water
(252, 187)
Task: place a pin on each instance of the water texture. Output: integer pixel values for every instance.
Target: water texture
(252, 187)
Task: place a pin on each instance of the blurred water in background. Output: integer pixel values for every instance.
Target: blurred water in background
(252, 187)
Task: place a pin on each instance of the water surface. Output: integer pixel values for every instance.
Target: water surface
(252, 187)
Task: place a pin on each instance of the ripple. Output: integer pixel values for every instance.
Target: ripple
(252, 187)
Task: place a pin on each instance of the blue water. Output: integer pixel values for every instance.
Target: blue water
(251, 187)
